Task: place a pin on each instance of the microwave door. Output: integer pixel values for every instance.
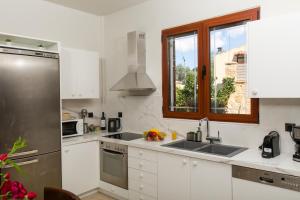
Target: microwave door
(69, 128)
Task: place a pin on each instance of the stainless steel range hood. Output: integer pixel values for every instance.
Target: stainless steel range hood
(136, 80)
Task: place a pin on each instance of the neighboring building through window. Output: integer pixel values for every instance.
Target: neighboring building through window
(205, 70)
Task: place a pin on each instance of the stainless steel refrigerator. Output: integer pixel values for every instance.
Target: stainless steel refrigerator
(30, 108)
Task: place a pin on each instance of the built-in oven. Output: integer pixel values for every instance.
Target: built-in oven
(114, 164)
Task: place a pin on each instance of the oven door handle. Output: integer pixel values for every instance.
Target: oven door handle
(113, 153)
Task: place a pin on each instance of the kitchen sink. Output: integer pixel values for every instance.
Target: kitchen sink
(186, 145)
(216, 149)
(221, 150)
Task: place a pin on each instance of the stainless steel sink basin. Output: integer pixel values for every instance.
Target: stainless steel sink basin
(216, 149)
(221, 150)
(186, 145)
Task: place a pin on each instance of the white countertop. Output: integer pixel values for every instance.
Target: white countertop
(250, 158)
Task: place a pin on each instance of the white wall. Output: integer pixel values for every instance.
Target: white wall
(39, 18)
(141, 113)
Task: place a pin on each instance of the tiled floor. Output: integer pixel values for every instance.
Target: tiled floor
(98, 196)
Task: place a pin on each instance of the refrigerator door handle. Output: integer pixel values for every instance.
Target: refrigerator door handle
(23, 153)
(22, 163)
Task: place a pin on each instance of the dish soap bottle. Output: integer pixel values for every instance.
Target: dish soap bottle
(198, 135)
(103, 122)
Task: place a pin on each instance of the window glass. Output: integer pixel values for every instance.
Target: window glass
(228, 67)
(183, 72)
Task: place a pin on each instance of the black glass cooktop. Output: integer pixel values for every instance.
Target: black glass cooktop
(125, 136)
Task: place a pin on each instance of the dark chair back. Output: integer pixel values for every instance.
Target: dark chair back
(58, 194)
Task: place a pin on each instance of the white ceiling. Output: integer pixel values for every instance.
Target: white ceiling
(98, 7)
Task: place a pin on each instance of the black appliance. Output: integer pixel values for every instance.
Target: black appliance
(270, 146)
(114, 124)
(296, 137)
(125, 136)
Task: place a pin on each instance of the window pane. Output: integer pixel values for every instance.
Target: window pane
(183, 76)
(228, 81)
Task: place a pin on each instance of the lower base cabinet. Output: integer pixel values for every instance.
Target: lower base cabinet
(142, 174)
(173, 177)
(80, 167)
(210, 180)
(183, 178)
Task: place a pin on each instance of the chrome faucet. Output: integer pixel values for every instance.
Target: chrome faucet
(208, 137)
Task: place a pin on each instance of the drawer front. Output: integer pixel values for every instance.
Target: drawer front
(133, 195)
(143, 165)
(113, 189)
(142, 176)
(142, 154)
(143, 188)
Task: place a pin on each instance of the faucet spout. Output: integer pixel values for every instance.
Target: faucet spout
(208, 137)
(207, 125)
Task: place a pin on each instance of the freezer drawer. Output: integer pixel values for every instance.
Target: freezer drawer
(38, 172)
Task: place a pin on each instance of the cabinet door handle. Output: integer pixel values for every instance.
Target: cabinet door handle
(254, 92)
(67, 151)
(23, 153)
(195, 163)
(141, 164)
(184, 161)
(22, 163)
(141, 153)
(141, 175)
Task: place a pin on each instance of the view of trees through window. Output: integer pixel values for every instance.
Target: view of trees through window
(183, 64)
(228, 70)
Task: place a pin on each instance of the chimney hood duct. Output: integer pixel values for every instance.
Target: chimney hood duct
(136, 80)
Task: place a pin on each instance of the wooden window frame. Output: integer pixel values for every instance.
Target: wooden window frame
(202, 28)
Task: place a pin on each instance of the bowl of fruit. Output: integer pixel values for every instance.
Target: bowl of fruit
(154, 135)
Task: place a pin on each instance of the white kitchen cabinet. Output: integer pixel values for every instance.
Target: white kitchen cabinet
(142, 174)
(80, 167)
(273, 57)
(79, 74)
(210, 180)
(173, 177)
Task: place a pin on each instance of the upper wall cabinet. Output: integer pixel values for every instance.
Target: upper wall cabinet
(79, 74)
(273, 57)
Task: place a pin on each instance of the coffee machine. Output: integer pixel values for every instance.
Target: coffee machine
(296, 137)
(270, 147)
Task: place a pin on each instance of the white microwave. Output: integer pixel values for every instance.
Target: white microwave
(71, 128)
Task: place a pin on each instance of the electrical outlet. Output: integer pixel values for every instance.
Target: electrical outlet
(289, 127)
(120, 114)
(90, 115)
